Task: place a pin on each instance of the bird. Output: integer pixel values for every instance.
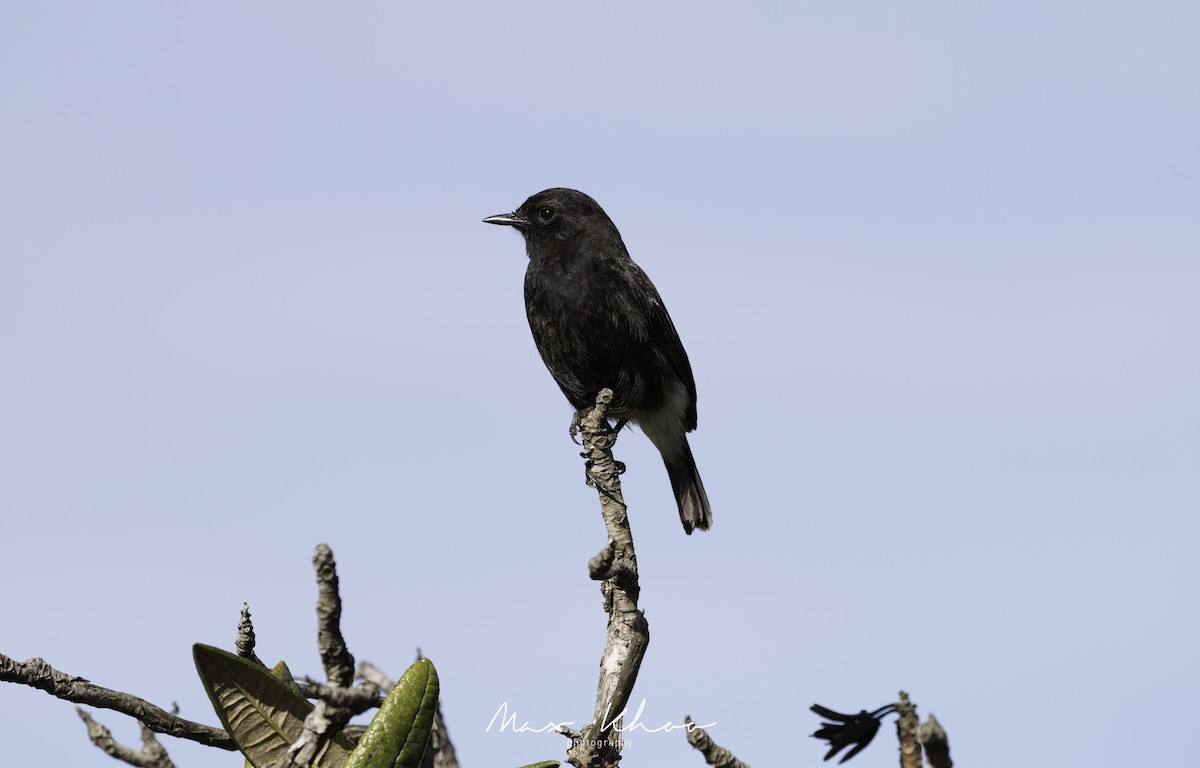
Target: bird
(598, 322)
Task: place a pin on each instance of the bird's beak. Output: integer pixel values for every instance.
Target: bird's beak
(507, 219)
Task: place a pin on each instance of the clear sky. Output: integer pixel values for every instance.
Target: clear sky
(936, 266)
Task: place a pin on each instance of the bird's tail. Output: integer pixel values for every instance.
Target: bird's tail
(694, 510)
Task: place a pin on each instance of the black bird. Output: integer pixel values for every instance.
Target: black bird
(599, 322)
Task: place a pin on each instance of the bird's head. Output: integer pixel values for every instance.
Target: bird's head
(558, 215)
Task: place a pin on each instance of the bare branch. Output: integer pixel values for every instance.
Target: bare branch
(36, 673)
(337, 702)
(339, 664)
(906, 731)
(937, 745)
(714, 755)
(244, 642)
(357, 699)
(599, 744)
(373, 674)
(320, 725)
(152, 754)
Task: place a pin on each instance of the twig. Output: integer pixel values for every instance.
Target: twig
(327, 717)
(358, 699)
(906, 731)
(151, 755)
(320, 725)
(714, 755)
(37, 673)
(244, 642)
(373, 674)
(937, 745)
(599, 744)
(339, 664)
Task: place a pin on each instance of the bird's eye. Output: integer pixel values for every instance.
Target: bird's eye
(545, 214)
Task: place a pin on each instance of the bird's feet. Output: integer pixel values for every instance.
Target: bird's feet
(577, 424)
(593, 482)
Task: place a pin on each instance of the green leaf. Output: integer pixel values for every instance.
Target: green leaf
(284, 675)
(547, 764)
(263, 715)
(399, 732)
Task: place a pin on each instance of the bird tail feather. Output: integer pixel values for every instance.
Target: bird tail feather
(694, 510)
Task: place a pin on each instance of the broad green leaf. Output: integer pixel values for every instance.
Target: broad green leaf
(399, 732)
(263, 715)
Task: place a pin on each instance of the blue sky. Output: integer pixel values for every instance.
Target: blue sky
(935, 265)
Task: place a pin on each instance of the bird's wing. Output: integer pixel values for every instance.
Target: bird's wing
(663, 336)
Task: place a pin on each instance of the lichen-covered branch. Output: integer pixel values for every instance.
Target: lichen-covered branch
(357, 699)
(336, 704)
(936, 744)
(373, 674)
(599, 744)
(906, 732)
(36, 673)
(714, 755)
(339, 664)
(245, 640)
(151, 755)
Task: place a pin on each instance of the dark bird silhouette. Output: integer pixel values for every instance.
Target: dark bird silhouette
(598, 322)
